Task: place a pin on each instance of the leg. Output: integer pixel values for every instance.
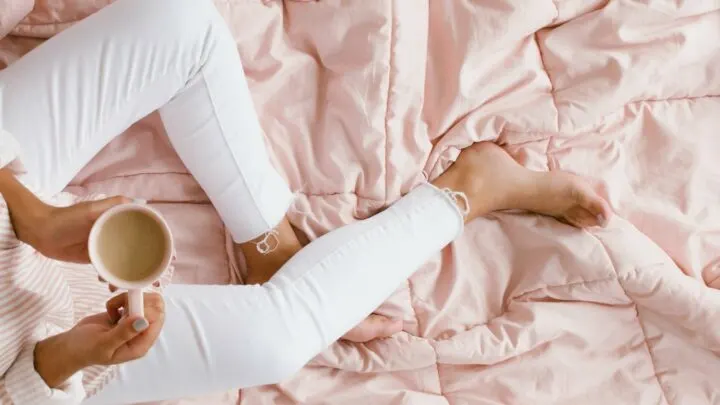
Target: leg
(116, 73)
(482, 166)
(485, 166)
(70, 97)
(225, 337)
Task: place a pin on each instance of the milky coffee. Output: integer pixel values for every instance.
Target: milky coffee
(131, 245)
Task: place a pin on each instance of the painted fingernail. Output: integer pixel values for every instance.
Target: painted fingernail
(140, 325)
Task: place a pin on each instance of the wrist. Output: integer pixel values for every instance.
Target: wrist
(28, 214)
(55, 360)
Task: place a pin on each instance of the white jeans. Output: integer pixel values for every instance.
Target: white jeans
(70, 97)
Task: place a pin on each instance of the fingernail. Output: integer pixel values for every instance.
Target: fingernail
(140, 325)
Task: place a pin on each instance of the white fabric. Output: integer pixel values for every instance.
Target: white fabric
(92, 81)
(8, 147)
(218, 338)
(66, 100)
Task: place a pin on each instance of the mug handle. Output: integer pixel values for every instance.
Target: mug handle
(136, 306)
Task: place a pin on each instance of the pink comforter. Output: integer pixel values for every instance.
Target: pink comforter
(363, 99)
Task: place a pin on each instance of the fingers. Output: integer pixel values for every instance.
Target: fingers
(154, 306)
(78, 254)
(114, 305)
(374, 327)
(97, 208)
(124, 332)
(111, 287)
(132, 337)
(139, 345)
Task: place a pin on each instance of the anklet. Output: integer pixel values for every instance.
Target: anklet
(265, 246)
(457, 197)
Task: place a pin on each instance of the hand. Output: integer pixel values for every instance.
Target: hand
(101, 339)
(62, 232)
(56, 232)
(374, 327)
(108, 338)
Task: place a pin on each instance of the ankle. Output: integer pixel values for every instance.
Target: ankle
(463, 191)
(265, 257)
(460, 199)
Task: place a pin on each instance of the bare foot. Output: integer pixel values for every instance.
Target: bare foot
(493, 181)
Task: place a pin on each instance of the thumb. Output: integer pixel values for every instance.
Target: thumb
(97, 208)
(127, 329)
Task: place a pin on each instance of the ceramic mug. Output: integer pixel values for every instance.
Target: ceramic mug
(131, 246)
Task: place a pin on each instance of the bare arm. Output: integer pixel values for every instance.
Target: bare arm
(61, 233)
(27, 211)
(54, 361)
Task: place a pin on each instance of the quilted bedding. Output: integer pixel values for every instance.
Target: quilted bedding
(362, 100)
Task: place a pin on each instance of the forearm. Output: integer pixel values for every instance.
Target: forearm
(27, 211)
(54, 362)
(43, 371)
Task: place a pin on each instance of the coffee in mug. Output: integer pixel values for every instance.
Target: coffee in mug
(131, 246)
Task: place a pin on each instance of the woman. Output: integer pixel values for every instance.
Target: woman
(67, 99)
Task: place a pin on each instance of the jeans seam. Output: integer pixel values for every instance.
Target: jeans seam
(223, 131)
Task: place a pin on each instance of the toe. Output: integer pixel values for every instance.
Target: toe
(594, 206)
(580, 217)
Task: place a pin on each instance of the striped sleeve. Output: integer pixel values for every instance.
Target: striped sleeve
(22, 385)
(29, 289)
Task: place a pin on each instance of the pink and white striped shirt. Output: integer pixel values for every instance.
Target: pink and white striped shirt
(40, 297)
